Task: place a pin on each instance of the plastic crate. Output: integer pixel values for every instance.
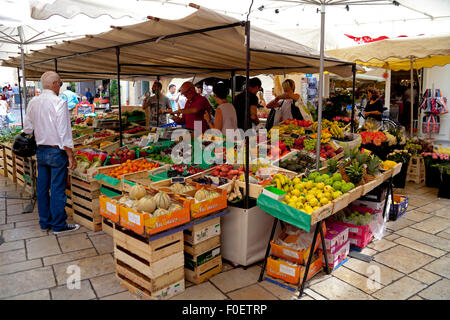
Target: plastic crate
(400, 208)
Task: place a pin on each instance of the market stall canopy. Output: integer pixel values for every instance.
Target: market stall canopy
(174, 48)
(396, 54)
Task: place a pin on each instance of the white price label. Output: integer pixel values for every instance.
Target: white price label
(287, 270)
(134, 218)
(216, 252)
(290, 253)
(111, 208)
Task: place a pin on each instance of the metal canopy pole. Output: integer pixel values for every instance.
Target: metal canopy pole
(233, 85)
(56, 65)
(118, 91)
(20, 96)
(22, 55)
(247, 113)
(412, 97)
(353, 99)
(319, 111)
(157, 103)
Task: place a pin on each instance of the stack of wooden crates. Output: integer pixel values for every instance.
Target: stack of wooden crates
(151, 268)
(202, 253)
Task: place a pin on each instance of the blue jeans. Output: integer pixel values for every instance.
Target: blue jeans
(52, 176)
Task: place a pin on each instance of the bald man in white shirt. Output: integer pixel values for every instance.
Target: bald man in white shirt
(49, 118)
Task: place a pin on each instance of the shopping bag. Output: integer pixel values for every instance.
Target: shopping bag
(431, 124)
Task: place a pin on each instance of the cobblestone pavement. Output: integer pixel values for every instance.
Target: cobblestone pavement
(412, 261)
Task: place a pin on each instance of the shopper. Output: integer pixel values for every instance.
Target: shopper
(16, 95)
(173, 97)
(375, 107)
(101, 92)
(283, 106)
(84, 100)
(150, 106)
(225, 117)
(195, 108)
(70, 97)
(49, 119)
(4, 109)
(239, 105)
(261, 100)
(88, 95)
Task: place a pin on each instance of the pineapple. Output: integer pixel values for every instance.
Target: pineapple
(373, 165)
(355, 172)
(332, 166)
(362, 158)
(350, 153)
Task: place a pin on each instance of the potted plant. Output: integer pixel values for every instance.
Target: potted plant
(444, 185)
(432, 173)
(402, 156)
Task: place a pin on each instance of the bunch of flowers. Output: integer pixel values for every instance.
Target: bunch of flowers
(413, 147)
(343, 119)
(376, 137)
(402, 156)
(435, 156)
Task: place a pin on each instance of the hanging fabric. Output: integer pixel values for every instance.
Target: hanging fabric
(431, 124)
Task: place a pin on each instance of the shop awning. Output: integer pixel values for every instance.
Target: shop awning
(396, 54)
(204, 43)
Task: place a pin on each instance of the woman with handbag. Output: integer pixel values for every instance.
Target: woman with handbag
(283, 106)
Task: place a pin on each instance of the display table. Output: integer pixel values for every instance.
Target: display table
(318, 220)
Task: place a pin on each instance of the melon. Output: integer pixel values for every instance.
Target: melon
(146, 204)
(201, 195)
(159, 212)
(137, 192)
(177, 187)
(188, 188)
(174, 207)
(162, 200)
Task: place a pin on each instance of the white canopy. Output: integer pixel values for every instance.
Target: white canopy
(174, 48)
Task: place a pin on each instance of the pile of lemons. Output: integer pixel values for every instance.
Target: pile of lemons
(309, 196)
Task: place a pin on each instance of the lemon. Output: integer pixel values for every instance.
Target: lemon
(298, 187)
(296, 192)
(313, 202)
(309, 197)
(299, 205)
(296, 180)
(315, 208)
(324, 201)
(294, 198)
(308, 209)
(319, 194)
(320, 186)
(328, 189)
(302, 199)
(309, 185)
(328, 195)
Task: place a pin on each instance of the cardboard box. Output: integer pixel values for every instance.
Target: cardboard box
(289, 254)
(337, 255)
(202, 231)
(337, 235)
(110, 209)
(281, 269)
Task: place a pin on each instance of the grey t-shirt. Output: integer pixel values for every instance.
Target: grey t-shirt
(164, 104)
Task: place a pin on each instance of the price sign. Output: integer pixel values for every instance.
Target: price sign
(84, 109)
(177, 180)
(295, 136)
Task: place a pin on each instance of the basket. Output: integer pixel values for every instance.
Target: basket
(400, 208)
(355, 143)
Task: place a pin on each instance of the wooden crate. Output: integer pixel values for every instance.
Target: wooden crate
(107, 226)
(202, 231)
(205, 271)
(10, 160)
(69, 204)
(85, 203)
(144, 294)
(198, 254)
(3, 168)
(152, 258)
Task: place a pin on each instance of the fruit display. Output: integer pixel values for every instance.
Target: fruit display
(388, 164)
(183, 170)
(121, 155)
(208, 181)
(203, 194)
(182, 188)
(299, 162)
(310, 144)
(156, 205)
(282, 149)
(355, 217)
(336, 131)
(135, 130)
(309, 196)
(335, 180)
(325, 136)
(299, 123)
(355, 172)
(234, 194)
(227, 171)
(89, 158)
(160, 158)
(132, 166)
